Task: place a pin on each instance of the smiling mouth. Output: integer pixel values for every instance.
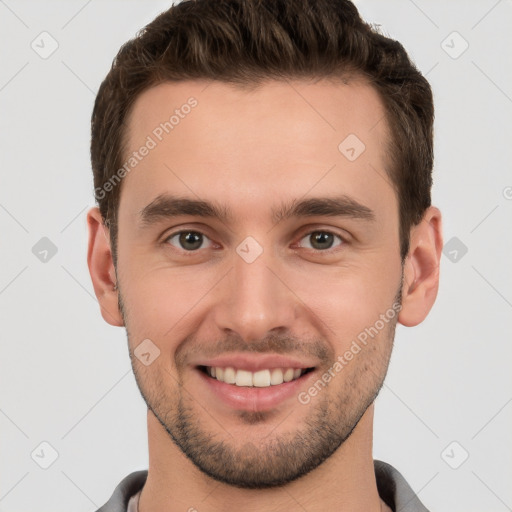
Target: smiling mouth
(260, 379)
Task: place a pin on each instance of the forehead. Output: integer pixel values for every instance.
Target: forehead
(325, 106)
(215, 139)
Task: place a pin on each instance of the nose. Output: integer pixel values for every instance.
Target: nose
(254, 299)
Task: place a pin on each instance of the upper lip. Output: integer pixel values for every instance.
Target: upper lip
(255, 362)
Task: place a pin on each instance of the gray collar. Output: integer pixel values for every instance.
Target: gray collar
(392, 487)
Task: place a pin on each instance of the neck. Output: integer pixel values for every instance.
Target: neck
(345, 481)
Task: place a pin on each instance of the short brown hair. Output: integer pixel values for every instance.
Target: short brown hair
(247, 41)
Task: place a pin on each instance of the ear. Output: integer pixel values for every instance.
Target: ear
(101, 268)
(421, 269)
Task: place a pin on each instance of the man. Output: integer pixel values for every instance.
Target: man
(291, 146)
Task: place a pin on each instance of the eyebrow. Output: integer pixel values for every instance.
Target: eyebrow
(167, 206)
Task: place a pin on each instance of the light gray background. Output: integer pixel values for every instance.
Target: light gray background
(65, 374)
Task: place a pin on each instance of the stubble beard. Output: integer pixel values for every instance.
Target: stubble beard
(278, 458)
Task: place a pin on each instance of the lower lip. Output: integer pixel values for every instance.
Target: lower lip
(253, 398)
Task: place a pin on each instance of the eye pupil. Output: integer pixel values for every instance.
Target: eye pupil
(190, 237)
(320, 237)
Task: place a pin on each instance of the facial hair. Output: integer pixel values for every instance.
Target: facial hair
(283, 457)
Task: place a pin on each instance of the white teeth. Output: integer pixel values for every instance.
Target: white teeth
(229, 375)
(288, 375)
(260, 379)
(276, 377)
(243, 378)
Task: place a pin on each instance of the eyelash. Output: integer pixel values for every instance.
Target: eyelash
(318, 251)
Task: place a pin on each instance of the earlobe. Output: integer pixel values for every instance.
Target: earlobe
(421, 269)
(101, 268)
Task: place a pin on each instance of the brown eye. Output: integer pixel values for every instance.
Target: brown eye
(188, 240)
(321, 240)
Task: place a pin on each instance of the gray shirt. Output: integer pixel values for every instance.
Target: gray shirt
(392, 487)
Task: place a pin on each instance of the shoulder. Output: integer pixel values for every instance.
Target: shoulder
(394, 489)
(128, 486)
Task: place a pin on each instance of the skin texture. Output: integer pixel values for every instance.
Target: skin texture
(251, 151)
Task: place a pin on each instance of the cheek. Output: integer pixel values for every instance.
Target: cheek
(347, 301)
(162, 303)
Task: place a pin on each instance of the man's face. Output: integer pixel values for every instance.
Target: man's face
(254, 292)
